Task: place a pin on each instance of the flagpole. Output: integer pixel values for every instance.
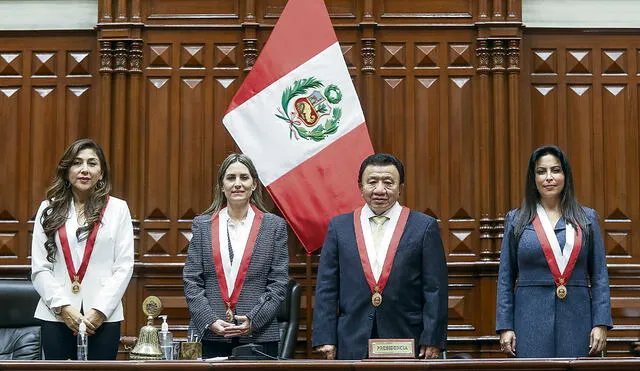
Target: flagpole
(309, 297)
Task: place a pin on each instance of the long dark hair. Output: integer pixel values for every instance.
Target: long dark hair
(569, 206)
(220, 200)
(59, 196)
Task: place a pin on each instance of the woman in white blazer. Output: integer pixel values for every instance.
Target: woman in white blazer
(82, 256)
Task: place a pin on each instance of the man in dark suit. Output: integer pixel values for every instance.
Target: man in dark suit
(382, 272)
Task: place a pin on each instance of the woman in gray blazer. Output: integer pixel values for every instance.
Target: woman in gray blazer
(236, 272)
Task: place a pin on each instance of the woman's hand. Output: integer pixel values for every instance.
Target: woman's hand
(72, 318)
(238, 330)
(220, 327)
(95, 318)
(508, 342)
(597, 339)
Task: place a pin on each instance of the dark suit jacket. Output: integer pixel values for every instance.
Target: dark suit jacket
(264, 285)
(414, 301)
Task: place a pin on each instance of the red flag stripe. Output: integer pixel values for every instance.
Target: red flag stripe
(322, 187)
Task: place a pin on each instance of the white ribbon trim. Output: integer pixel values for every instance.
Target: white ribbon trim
(561, 256)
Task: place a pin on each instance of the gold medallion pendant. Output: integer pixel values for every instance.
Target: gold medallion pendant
(75, 286)
(229, 314)
(376, 299)
(561, 291)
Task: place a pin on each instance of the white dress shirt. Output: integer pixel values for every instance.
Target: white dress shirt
(77, 247)
(376, 257)
(239, 235)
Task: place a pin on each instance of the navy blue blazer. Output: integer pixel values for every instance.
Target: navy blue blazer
(546, 326)
(414, 301)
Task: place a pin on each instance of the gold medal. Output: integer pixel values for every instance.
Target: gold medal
(75, 285)
(376, 299)
(561, 291)
(229, 313)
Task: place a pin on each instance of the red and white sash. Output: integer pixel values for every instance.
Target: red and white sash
(231, 298)
(561, 262)
(377, 286)
(77, 277)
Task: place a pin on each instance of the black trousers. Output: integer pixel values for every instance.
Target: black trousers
(59, 343)
(212, 349)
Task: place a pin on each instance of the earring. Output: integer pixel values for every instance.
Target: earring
(100, 183)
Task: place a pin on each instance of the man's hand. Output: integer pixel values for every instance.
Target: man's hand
(328, 351)
(508, 342)
(429, 352)
(219, 327)
(238, 330)
(597, 339)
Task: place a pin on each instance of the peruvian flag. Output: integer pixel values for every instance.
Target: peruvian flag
(298, 117)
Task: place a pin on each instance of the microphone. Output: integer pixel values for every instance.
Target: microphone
(252, 351)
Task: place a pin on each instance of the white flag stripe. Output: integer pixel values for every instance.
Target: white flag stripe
(267, 142)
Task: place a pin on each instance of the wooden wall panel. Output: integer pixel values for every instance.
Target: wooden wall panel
(45, 141)
(158, 149)
(544, 106)
(461, 169)
(78, 112)
(394, 116)
(190, 152)
(45, 101)
(427, 137)
(435, 11)
(580, 126)
(10, 124)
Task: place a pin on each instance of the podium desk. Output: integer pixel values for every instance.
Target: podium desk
(487, 364)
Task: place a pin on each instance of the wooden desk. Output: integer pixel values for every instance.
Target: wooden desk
(564, 364)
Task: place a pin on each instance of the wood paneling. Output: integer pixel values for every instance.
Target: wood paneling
(453, 88)
(46, 101)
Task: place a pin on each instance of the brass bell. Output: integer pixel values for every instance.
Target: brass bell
(148, 344)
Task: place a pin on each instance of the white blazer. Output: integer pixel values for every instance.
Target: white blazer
(108, 273)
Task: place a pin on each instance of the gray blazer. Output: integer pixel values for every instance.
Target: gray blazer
(264, 286)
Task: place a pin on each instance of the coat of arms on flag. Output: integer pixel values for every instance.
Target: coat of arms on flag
(318, 111)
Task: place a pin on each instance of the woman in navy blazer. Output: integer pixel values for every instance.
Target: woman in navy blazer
(81, 256)
(236, 272)
(553, 286)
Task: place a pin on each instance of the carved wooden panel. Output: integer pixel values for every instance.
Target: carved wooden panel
(46, 102)
(163, 12)
(581, 93)
(341, 11)
(438, 11)
(585, 105)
